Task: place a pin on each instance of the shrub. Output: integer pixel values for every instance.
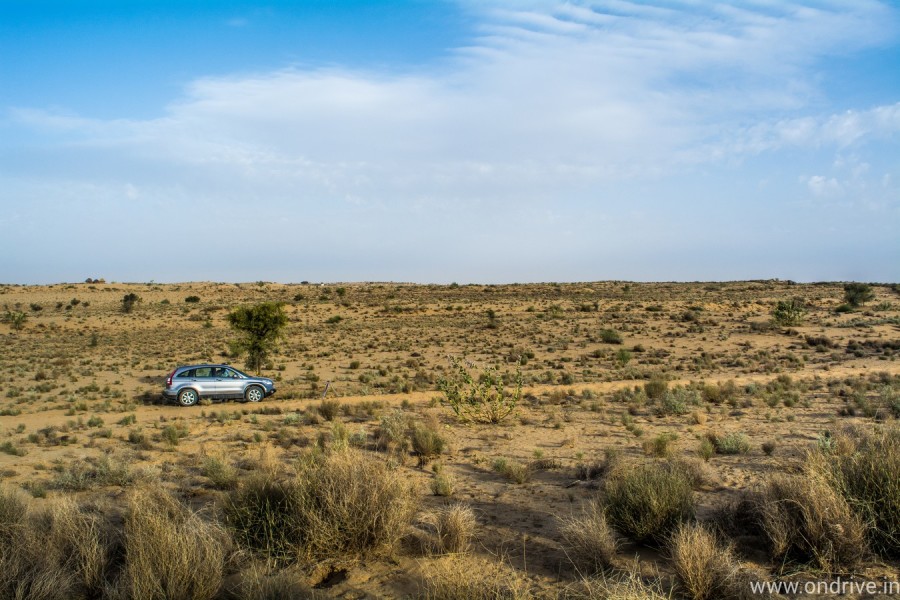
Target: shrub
(659, 446)
(648, 500)
(345, 502)
(454, 527)
(806, 520)
(391, 432)
(677, 401)
(486, 399)
(610, 336)
(863, 467)
(705, 568)
(656, 388)
(128, 302)
(789, 313)
(170, 551)
(857, 294)
(427, 443)
(220, 473)
(514, 471)
(731, 443)
(329, 409)
(590, 542)
(443, 484)
(461, 577)
(260, 327)
(192, 299)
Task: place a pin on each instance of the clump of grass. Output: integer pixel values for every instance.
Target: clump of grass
(677, 401)
(342, 503)
(806, 520)
(705, 568)
(170, 551)
(730, 443)
(462, 577)
(659, 446)
(646, 501)
(329, 409)
(454, 528)
(427, 442)
(443, 484)
(590, 542)
(512, 470)
(220, 472)
(863, 467)
(89, 473)
(391, 433)
(610, 336)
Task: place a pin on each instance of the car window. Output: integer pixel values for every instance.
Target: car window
(203, 372)
(188, 373)
(231, 374)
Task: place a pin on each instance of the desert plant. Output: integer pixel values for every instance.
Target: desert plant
(16, 319)
(610, 336)
(170, 552)
(486, 399)
(344, 502)
(806, 520)
(589, 541)
(705, 568)
(656, 388)
(427, 442)
(857, 294)
(512, 470)
(453, 529)
(863, 467)
(677, 401)
(260, 327)
(646, 501)
(463, 577)
(789, 313)
(129, 300)
(730, 443)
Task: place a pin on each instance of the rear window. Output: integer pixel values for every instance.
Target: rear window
(186, 373)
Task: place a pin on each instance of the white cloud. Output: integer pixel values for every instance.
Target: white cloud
(550, 107)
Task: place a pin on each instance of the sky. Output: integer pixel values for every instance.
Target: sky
(488, 141)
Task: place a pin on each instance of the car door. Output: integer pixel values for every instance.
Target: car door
(229, 383)
(204, 382)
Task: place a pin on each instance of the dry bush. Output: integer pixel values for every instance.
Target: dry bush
(698, 472)
(863, 467)
(345, 502)
(427, 442)
(258, 584)
(170, 551)
(391, 433)
(454, 527)
(461, 577)
(646, 501)
(627, 586)
(590, 542)
(706, 569)
(806, 520)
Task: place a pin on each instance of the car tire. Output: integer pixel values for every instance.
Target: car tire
(188, 397)
(254, 393)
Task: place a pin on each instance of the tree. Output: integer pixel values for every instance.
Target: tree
(128, 302)
(16, 319)
(788, 313)
(857, 294)
(261, 326)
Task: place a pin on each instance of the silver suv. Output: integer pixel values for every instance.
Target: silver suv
(189, 383)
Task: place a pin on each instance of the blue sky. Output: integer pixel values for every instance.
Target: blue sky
(490, 141)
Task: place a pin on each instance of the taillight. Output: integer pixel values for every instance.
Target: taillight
(169, 379)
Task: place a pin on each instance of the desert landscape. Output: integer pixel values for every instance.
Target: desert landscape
(625, 440)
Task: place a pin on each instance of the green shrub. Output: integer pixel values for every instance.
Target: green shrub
(789, 313)
(488, 398)
(610, 336)
(646, 501)
(427, 443)
(857, 294)
(656, 388)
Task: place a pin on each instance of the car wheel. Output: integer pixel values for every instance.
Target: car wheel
(188, 397)
(254, 393)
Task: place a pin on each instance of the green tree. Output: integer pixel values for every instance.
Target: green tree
(857, 294)
(261, 326)
(788, 313)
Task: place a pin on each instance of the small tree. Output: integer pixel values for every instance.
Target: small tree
(857, 294)
(128, 302)
(788, 313)
(16, 319)
(261, 326)
(485, 399)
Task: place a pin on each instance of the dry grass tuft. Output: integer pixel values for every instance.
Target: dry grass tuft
(468, 578)
(348, 502)
(646, 501)
(706, 569)
(590, 542)
(454, 528)
(170, 551)
(806, 520)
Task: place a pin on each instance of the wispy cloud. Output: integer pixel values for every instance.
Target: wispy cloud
(549, 101)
